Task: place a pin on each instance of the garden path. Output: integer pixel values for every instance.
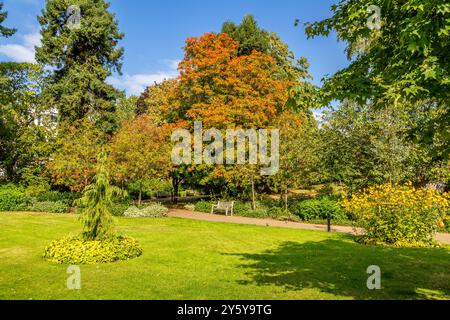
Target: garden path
(186, 214)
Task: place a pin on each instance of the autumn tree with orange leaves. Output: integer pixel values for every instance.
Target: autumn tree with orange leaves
(223, 89)
(140, 150)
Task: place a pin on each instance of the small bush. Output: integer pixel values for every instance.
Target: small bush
(277, 212)
(190, 207)
(79, 251)
(399, 215)
(203, 206)
(258, 213)
(150, 211)
(244, 209)
(12, 198)
(118, 209)
(48, 206)
(317, 209)
(56, 196)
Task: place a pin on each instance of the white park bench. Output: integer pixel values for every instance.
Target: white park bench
(223, 206)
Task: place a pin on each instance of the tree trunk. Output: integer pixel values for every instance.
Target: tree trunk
(286, 200)
(140, 193)
(176, 189)
(253, 194)
(329, 225)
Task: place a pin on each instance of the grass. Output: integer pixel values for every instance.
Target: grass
(186, 259)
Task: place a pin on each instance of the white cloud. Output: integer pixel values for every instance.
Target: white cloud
(22, 52)
(319, 116)
(172, 64)
(136, 84)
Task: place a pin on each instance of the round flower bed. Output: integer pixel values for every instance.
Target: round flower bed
(79, 251)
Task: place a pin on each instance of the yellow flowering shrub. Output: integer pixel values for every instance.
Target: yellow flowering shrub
(76, 250)
(401, 215)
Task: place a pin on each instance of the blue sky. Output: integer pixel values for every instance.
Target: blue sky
(155, 32)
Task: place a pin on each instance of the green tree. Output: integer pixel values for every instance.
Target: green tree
(4, 31)
(126, 108)
(251, 37)
(298, 161)
(26, 131)
(96, 200)
(156, 100)
(402, 62)
(73, 163)
(248, 34)
(81, 58)
(361, 146)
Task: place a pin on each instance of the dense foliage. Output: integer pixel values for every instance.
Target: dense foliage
(140, 151)
(81, 58)
(403, 62)
(81, 251)
(399, 214)
(319, 209)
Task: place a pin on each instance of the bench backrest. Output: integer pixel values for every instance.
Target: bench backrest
(225, 205)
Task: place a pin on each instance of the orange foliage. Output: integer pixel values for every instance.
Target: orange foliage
(141, 150)
(224, 90)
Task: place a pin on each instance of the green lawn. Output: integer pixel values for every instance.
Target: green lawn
(186, 259)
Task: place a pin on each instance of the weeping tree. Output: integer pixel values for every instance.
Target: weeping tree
(96, 200)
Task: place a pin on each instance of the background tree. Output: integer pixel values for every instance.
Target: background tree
(226, 90)
(223, 89)
(26, 131)
(140, 150)
(156, 100)
(73, 164)
(405, 62)
(298, 161)
(251, 37)
(81, 59)
(126, 108)
(361, 146)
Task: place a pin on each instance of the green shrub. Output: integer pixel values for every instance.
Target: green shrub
(316, 209)
(203, 206)
(150, 211)
(48, 206)
(243, 209)
(35, 190)
(80, 251)
(276, 212)
(258, 213)
(12, 198)
(56, 196)
(118, 209)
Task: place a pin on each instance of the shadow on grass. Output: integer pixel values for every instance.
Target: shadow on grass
(339, 267)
